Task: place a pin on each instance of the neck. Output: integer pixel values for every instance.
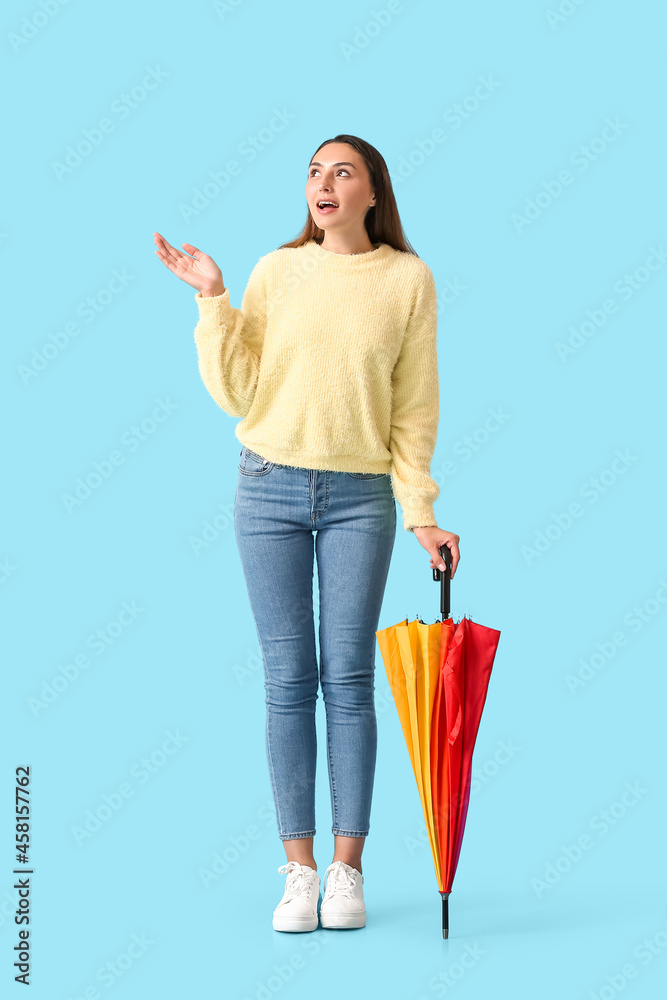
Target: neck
(347, 243)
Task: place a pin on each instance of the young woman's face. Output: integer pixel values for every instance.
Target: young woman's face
(337, 173)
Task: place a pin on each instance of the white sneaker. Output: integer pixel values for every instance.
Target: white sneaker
(297, 910)
(343, 903)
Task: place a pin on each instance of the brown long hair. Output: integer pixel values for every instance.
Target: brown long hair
(382, 221)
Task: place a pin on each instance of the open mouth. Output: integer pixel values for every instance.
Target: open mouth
(325, 205)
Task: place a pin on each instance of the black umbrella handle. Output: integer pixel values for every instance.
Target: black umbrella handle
(445, 578)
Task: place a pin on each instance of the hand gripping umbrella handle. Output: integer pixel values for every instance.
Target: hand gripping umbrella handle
(445, 577)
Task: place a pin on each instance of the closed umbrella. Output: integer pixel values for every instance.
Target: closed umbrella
(439, 676)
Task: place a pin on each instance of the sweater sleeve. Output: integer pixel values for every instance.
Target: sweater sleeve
(229, 343)
(415, 411)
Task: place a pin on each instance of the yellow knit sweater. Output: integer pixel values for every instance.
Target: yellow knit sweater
(331, 361)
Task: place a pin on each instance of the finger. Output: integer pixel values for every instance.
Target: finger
(436, 560)
(168, 263)
(174, 264)
(168, 250)
(194, 251)
(455, 561)
(454, 549)
(160, 241)
(176, 255)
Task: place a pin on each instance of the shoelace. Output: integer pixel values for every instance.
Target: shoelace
(340, 880)
(299, 882)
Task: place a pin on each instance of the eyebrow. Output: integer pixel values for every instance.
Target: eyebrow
(343, 163)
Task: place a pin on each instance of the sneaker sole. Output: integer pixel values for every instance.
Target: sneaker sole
(342, 921)
(295, 923)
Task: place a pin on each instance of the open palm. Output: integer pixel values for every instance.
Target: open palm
(194, 267)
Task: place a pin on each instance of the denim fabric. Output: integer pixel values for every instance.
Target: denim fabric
(284, 517)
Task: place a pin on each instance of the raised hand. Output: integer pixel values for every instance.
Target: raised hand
(193, 266)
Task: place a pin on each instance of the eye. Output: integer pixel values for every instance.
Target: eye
(314, 170)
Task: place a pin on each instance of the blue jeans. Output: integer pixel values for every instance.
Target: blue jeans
(283, 516)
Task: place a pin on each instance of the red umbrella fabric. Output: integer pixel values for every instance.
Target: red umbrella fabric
(466, 662)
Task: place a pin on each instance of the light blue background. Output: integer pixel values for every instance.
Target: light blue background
(188, 662)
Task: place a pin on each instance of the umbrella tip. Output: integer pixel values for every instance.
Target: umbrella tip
(445, 914)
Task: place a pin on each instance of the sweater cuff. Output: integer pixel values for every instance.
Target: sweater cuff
(420, 516)
(215, 309)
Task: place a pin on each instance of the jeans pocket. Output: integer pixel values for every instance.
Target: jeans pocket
(367, 475)
(252, 464)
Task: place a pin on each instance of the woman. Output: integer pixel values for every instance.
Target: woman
(331, 361)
